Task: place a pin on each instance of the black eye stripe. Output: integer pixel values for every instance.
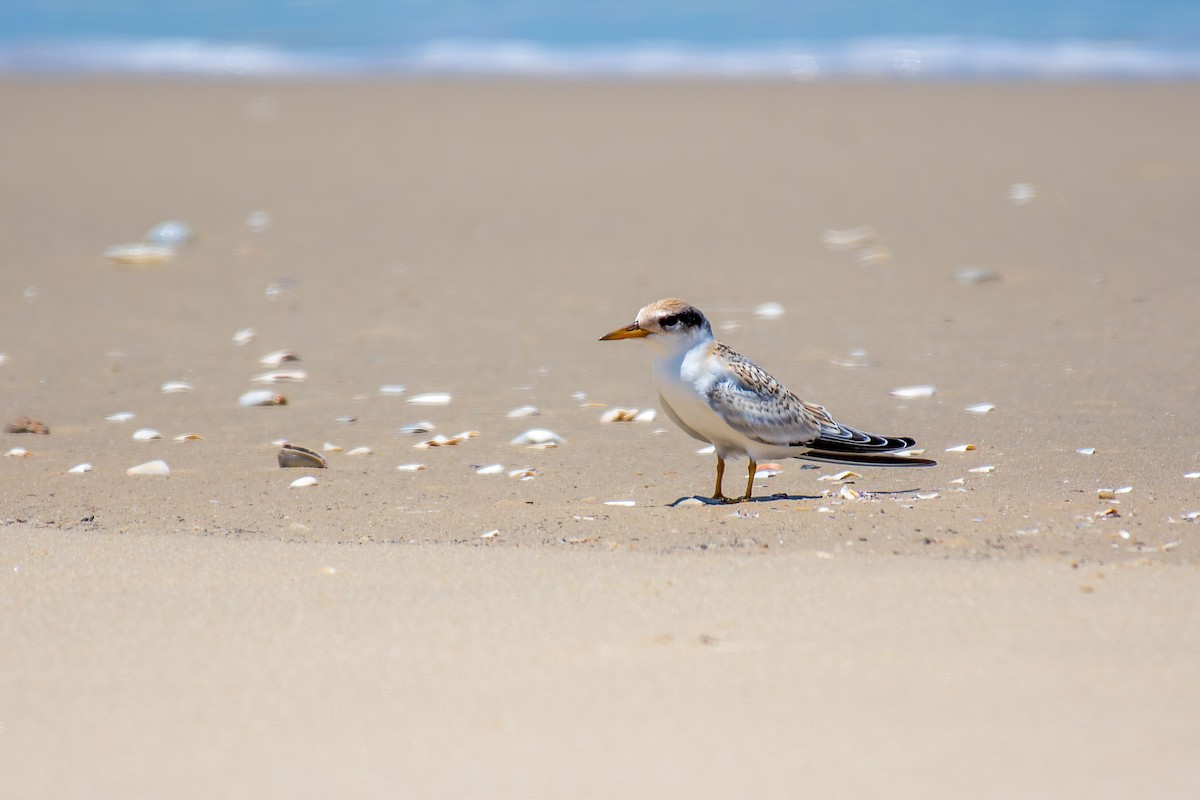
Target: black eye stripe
(669, 321)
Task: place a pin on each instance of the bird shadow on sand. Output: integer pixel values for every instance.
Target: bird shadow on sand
(777, 496)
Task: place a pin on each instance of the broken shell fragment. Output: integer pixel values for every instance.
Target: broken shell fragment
(391, 389)
(524, 411)
(525, 473)
(139, 254)
(1192, 475)
(410, 467)
(120, 416)
(330, 447)
(281, 376)
(171, 233)
(491, 469)
(912, 392)
(625, 503)
(849, 238)
(18, 452)
(619, 415)
(430, 399)
(243, 337)
(840, 477)
(445, 441)
(975, 275)
(175, 387)
(986, 469)
(26, 425)
(278, 357)
(359, 451)
(415, 429)
(300, 483)
(292, 455)
(538, 437)
(492, 534)
(647, 415)
(980, 408)
(962, 448)
(769, 311)
(846, 493)
(188, 437)
(261, 397)
(157, 467)
(769, 470)
(706, 451)
(1022, 194)
(146, 435)
(1086, 451)
(79, 469)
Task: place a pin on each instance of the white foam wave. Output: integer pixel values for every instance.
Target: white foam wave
(932, 58)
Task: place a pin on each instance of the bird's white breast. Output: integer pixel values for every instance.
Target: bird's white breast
(683, 379)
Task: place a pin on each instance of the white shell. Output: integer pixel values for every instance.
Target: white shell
(330, 447)
(359, 451)
(1022, 194)
(706, 451)
(416, 428)
(157, 467)
(618, 415)
(491, 469)
(646, 416)
(988, 468)
(139, 254)
(538, 437)
(769, 311)
(849, 238)
(1086, 451)
(911, 392)
(524, 473)
(626, 503)
(300, 483)
(281, 376)
(171, 233)
(410, 467)
(492, 534)
(120, 416)
(524, 411)
(430, 399)
(391, 389)
(844, 475)
(18, 452)
(962, 448)
(146, 435)
(261, 397)
(175, 387)
(79, 469)
(846, 493)
(244, 337)
(975, 275)
(980, 408)
(1192, 475)
(278, 357)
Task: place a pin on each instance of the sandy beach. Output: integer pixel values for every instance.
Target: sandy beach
(440, 632)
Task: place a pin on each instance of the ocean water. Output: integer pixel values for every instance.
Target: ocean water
(802, 39)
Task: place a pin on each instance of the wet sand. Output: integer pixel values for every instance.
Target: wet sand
(216, 632)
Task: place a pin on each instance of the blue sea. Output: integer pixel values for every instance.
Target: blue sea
(804, 39)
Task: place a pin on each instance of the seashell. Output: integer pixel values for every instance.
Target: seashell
(26, 425)
(359, 451)
(410, 467)
(175, 387)
(524, 411)
(139, 254)
(188, 437)
(491, 469)
(706, 451)
(962, 448)
(769, 311)
(330, 447)
(849, 238)
(18, 452)
(440, 441)
(768, 470)
(492, 534)
(580, 396)
(261, 397)
(592, 405)
(415, 429)
(873, 255)
(625, 503)
(957, 481)
(1022, 194)
(646, 416)
(346, 420)
(79, 469)
(1108, 513)
(1109, 494)
(980, 408)
(258, 221)
(278, 357)
(244, 337)
(912, 392)
(3, 359)
(846, 493)
(525, 473)
(844, 475)
(430, 399)
(158, 467)
(391, 389)
(927, 495)
(619, 415)
(281, 376)
(975, 275)
(1192, 475)
(300, 483)
(278, 442)
(293, 455)
(146, 435)
(1086, 451)
(986, 469)
(538, 437)
(120, 416)
(171, 233)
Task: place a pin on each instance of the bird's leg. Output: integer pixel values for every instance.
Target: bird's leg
(750, 481)
(717, 493)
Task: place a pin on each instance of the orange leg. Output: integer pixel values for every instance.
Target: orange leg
(750, 481)
(717, 493)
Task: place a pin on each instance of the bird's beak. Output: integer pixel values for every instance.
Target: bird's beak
(628, 332)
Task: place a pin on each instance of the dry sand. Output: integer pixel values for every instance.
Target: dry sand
(216, 633)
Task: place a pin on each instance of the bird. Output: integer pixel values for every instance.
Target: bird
(719, 396)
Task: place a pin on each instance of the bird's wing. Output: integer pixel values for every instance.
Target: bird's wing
(759, 407)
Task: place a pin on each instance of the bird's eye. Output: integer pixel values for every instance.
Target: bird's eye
(669, 322)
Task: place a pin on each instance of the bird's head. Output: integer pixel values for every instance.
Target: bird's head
(669, 323)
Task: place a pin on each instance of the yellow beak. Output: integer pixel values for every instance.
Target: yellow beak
(628, 332)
